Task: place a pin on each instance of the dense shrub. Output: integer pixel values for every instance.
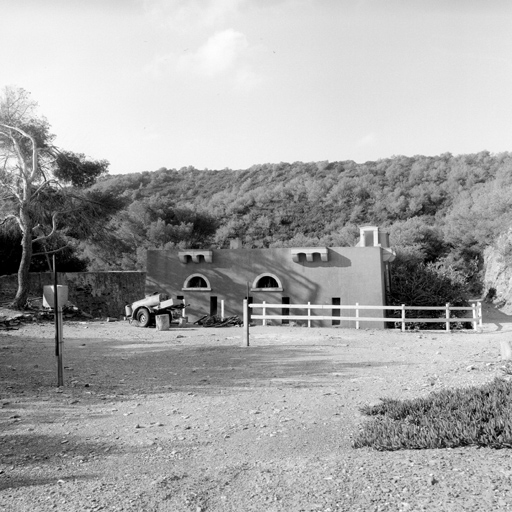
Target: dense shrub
(475, 416)
(416, 283)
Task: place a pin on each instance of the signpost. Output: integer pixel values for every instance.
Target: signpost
(56, 296)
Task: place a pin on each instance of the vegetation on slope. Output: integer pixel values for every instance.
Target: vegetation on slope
(442, 210)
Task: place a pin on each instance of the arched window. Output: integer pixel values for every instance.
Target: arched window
(197, 282)
(267, 283)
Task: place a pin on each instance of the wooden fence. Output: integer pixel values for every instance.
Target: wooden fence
(475, 319)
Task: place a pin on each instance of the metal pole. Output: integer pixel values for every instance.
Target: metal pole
(246, 323)
(248, 302)
(60, 371)
(58, 327)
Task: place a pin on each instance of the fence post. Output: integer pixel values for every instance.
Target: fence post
(246, 323)
(403, 317)
(480, 315)
(264, 313)
(357, 315)
(309, 314)
(473, 311)
(447, 316)
(222, 309)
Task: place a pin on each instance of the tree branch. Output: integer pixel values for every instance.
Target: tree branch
(8, 217)
(54, 226)
(29, 176)
(13, 191)
(18, 151)
(44, 184)
(85, 200)
(54, 229)
(50, 252)
(15, 217)
(17, 148)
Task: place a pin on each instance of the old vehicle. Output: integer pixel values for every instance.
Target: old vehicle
(145, 310)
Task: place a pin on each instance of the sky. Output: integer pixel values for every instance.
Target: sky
(220, 84)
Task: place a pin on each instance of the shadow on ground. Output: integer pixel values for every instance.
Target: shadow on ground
(124, 368)
(492, 315)
(36, 451)
(207, 369)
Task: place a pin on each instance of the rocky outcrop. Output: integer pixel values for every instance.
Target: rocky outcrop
(498, 273)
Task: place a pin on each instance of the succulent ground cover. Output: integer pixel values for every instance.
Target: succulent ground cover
(472, 416)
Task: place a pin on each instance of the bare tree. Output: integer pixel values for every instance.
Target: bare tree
(32, 172)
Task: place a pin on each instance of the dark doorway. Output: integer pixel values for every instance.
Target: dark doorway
(213, 306)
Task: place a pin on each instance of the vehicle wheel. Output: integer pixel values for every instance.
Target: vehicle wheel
(143, 317)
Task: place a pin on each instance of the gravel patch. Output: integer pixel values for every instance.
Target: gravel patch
(191, 420)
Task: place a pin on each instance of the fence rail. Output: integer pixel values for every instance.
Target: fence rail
(475, 319)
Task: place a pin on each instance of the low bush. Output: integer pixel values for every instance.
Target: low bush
(474, 416)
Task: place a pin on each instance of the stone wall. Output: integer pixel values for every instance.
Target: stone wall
(99, 294)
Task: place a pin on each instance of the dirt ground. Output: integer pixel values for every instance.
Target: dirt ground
(191, 420)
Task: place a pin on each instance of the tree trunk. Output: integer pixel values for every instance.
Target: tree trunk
(20, 301)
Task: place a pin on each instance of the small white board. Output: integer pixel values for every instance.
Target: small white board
(166, 304)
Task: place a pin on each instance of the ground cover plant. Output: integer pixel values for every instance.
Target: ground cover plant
(473, 416)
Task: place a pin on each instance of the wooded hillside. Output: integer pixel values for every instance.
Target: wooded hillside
(444, 209)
